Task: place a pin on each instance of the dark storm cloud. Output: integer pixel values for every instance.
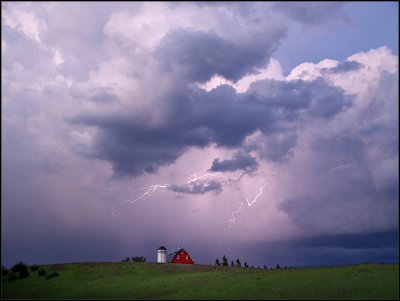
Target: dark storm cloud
(343, 67)
(277, 147)
(102, 95)
(304, 253)
(352, 241)
(204, 54)
(196, 187)
(222, 116)
(346, 188)
(317, 96)
(240, 161)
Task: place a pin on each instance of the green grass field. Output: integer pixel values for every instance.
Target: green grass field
(174, 281)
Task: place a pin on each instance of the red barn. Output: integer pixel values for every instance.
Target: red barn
(180, 256)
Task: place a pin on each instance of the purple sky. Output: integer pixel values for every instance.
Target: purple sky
(264, 131)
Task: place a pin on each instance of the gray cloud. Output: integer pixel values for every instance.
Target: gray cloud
(312, 13)
(102, 95)
(240, 161)
(343, 67)
(197, 187)
(277, 147)
(199, 118)
(348, 191)
(204, 54)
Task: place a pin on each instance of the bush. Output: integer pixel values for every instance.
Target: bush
(23, 274)
(41, 272)
(12, 276)
(34, 267)
(126, 259)
(19, 267)
(52, 274)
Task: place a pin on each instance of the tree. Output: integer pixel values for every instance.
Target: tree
(217, 262)
(232, 264)
(4, 271)
(138, 259)
(238, 264)
(277, 266)
(265, 267)
(246, 265)
(19, 267)
(225, 261)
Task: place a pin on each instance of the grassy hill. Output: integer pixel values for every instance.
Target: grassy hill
(174, 281)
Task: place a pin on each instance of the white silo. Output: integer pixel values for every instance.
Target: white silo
(162, 255)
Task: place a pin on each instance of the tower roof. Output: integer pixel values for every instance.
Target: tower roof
(162, 248)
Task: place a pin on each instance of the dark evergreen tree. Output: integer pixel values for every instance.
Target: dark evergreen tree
(246, 265)
(265, 267)
(232, 264)
(224, 261)
(217, 262)
(238, 264)
(277, 266)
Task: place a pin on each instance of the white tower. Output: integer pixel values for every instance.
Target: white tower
(162, 255)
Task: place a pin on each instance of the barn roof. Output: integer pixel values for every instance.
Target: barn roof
(172, 255)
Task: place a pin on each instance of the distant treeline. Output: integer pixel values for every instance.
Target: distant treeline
(238, 263)
(135, 259)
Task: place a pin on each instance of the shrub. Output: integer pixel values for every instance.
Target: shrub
(34, 267)
(217, 262)
(12, 276)
(52, 274)
(126, 259)
(23, 274)
(19, 267)
(41, 272)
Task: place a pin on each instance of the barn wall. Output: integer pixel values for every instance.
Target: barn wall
(182, 257)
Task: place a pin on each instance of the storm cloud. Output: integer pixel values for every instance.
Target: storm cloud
(196, 187)
(240, 161)
(198, 118)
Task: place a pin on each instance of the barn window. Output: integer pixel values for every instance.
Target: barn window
(177, 257)
(187, 257)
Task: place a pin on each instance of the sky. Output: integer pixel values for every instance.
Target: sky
(257, 130)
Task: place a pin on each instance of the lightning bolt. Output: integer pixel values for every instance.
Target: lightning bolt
(249, 203)
(206, 176)
(233, 182)
(149, 191)
(256, 197)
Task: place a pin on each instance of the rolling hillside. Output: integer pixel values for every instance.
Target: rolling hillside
(175, 281)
